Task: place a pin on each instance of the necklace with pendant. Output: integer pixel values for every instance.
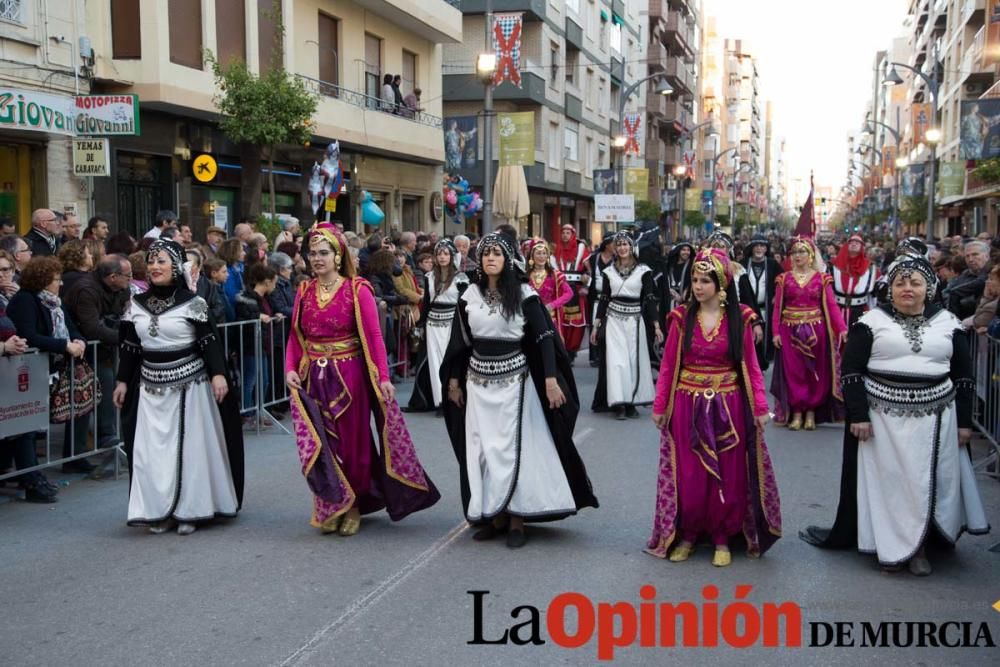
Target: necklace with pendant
(803, 278)
(157, 307)
(326, 291)
(492, 300)
(538, 278)
(913, 329)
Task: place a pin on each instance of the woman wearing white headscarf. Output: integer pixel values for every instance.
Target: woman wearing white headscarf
(909, 392)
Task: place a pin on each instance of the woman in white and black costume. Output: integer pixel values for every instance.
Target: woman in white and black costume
(512, 403)
(180, 419)
(909, 392)
(443, 285)
(626, 324)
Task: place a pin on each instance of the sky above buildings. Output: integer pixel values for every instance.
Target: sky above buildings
(815, 62)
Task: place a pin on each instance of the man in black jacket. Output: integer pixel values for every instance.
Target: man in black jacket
(46, 230)
(965, 290)
(761, 270)
(96, 303)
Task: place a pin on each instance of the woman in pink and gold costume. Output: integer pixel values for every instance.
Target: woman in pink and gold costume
(548, 282)
(809, 332)
(715, 479)
(337, 373)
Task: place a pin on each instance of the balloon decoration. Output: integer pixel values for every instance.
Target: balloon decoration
(371, 214)
(459, 201)
(326, 179)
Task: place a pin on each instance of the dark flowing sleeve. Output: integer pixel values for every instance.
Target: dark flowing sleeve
(540, 332)
(962, 377)
(857, 352)
(603, 300)
(650, 302)
(459, 342)
(129, 351)
(207, 338)
(425, 303)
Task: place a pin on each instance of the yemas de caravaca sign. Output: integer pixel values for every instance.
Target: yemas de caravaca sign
(82, 115)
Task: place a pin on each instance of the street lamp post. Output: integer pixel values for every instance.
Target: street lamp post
(893, 79)
(486, 65)
(715, 162)
(621, 141)
(681, 170)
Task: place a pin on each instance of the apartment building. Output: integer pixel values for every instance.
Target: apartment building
(673, 49)
(577, 56)
(340, 48)
(41, 74)
(741, 120)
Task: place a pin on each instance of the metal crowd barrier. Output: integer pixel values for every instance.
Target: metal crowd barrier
(986, 413)
(259, 373)
(78, 450)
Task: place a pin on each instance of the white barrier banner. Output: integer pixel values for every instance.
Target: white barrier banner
(24, 394)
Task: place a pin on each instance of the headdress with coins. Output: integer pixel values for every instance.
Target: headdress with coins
(907, 265)
(715, 261)
(806, 243)
(531, 245)
(175, 251)
(324, 231)
(502, 241)
(449, 245)
(628, 238)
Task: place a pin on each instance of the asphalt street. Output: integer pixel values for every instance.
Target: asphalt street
(81, 588)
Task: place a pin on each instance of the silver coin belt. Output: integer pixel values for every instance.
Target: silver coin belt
(502, 371)
(440, 318)
(159, 378)
(624, 311)
(901, 400)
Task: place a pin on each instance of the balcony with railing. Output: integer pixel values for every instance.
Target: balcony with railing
(678, 75)
(656, 57)
(678, 34)
(972, 10)
(367, 102)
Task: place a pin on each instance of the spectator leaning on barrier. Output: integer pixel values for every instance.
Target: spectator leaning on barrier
(253, 304)
(40, 318)
(218, 273)
(20, 448)
(234, 255)
(283, 297)
(96, 303)
(965, 291)
(205, 287)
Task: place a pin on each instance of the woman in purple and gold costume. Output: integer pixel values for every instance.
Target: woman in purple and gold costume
(338, 376)
(808, 334)
(715, 479)
(549, 282)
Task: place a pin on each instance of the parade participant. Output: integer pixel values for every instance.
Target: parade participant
(854, 280)
(741, 284)
(550, 283)
(337, 373)
(715, 478)
(761, 271)
(909, 392)
(180, 416)
(675, 281)
(624, 327)
(512, 404)
(808, 332)
(442, 287)
(570, 258)
(596, 264)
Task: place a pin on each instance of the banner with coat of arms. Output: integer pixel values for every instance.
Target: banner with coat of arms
(507, 46)
(631, 124)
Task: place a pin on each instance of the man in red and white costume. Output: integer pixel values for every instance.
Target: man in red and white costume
(570, 258)
(854, 279)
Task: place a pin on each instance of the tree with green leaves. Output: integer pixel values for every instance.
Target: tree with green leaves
(262, 112)
(646, 210)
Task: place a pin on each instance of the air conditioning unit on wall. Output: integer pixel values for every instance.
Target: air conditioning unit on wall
(972, 89)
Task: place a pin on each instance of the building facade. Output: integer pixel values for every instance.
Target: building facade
(340, 49)
(41, 74)
(577, 56)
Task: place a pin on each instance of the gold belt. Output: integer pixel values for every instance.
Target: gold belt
(793, 316)
(707, 381)
(323, 352)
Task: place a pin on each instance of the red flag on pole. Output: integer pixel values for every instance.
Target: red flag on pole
(807, 219)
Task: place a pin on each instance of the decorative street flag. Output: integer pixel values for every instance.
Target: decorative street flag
(631, 123)
(807, 219)
(921, 122)
(517, 138)
(637, 182)
(507, 46)
(720, 180)
(689, 157)
(888, 160)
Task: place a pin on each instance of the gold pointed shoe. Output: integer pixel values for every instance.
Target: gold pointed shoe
(796, 423)
(350, 526)
(722, 558)
(810, 424)
(681, 553)
(331, 526)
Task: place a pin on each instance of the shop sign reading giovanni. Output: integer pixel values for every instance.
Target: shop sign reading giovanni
(83, 115)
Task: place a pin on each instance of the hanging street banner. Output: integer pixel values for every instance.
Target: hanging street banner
(517, 138)
(507, 47)
(921, 121)
(911, 183)
(888, 160)
(83, 115)
(637, 182)
(631, 125)
(91, 157)
(614, 208)
(951, 180)
(461, 150)
(605, 181)
(980, 130)
(107, 115)
(692, 199)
